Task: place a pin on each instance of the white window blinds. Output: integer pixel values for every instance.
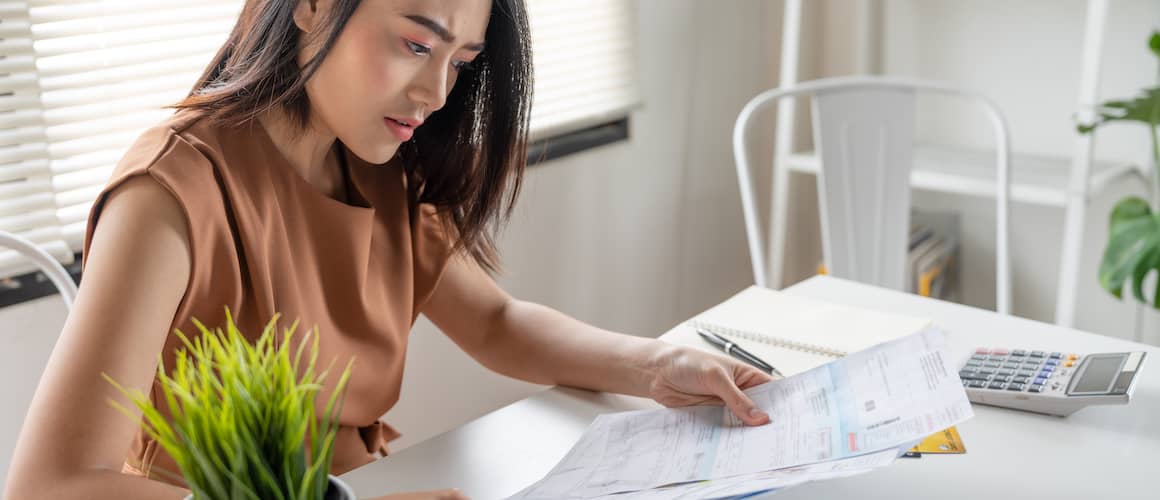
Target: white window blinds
(585, 59)
(81, 79)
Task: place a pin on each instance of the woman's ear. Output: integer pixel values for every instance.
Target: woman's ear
(307, 14)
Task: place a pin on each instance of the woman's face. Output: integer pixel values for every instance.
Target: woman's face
(393, 65)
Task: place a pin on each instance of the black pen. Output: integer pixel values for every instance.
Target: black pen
(733, 350)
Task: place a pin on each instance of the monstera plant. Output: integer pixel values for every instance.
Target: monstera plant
(1133, 249)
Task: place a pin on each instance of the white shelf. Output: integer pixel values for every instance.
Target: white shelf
(1038, 180)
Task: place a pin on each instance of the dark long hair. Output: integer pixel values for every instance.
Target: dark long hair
(467, 159)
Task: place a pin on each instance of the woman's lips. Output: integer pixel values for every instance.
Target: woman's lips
(401, 131)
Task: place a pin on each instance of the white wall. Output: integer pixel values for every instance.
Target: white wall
(28, 332)
(633, 237)
(1025, 55)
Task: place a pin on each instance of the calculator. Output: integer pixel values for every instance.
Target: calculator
(1053, 383)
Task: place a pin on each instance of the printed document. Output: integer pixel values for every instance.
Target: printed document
(886, 397)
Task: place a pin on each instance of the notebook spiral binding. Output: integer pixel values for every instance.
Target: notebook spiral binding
(767, 339)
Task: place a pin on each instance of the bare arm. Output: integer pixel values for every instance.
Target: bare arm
(538, 344)
(535, 343)
(73, 442)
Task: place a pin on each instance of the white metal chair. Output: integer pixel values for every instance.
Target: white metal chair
(863, 132)
(47, 263)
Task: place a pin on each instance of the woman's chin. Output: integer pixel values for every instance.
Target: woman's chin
(377, 154)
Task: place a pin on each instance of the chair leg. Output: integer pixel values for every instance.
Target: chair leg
(1069, 260)
(778, 230)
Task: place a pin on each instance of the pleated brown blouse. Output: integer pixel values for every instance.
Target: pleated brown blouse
(264, 240)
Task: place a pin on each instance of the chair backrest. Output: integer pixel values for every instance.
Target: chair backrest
(56, 273)
(864, 135)
(864, 140)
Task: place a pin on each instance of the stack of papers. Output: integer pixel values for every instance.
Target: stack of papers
(846, 417)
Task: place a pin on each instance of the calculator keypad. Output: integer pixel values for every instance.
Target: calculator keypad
(1015, 370)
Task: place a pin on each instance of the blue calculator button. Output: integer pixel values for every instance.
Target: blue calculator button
(1041, 380)
(1051, 362)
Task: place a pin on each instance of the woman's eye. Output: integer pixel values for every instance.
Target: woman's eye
(418, 48)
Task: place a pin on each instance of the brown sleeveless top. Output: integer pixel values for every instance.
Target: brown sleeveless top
(264, 240)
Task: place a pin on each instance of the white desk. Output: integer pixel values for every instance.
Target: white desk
(1098, 452)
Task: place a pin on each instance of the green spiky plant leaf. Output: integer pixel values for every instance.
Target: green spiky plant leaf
(1133, 248)
(243, 423)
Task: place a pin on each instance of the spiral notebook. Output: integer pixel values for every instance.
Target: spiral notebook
(795, 333)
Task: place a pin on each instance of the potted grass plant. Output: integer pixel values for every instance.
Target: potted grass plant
(242, 418)
(1133, 248)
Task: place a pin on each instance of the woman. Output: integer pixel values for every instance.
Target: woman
(340, 162)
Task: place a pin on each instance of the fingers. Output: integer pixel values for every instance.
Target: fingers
(447, 494)
(748, 377)
(451, 494)
(725, 388)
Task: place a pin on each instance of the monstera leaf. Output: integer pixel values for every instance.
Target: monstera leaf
(1144, 108)
(1133, 249)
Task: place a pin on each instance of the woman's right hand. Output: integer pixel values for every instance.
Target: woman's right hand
(448, 494)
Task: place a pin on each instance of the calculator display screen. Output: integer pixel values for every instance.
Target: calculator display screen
(1100, 373)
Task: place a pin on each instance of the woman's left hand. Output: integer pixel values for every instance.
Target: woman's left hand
(687, 377)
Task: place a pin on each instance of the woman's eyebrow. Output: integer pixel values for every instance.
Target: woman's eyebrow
(441, 31)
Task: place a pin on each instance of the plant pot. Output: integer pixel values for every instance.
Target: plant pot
(338, 490)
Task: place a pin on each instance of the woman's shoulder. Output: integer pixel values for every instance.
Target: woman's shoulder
(184, 152)
(165, 148)
(178, 155)
(159, 173)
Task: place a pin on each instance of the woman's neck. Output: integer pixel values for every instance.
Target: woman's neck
(309, 153)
